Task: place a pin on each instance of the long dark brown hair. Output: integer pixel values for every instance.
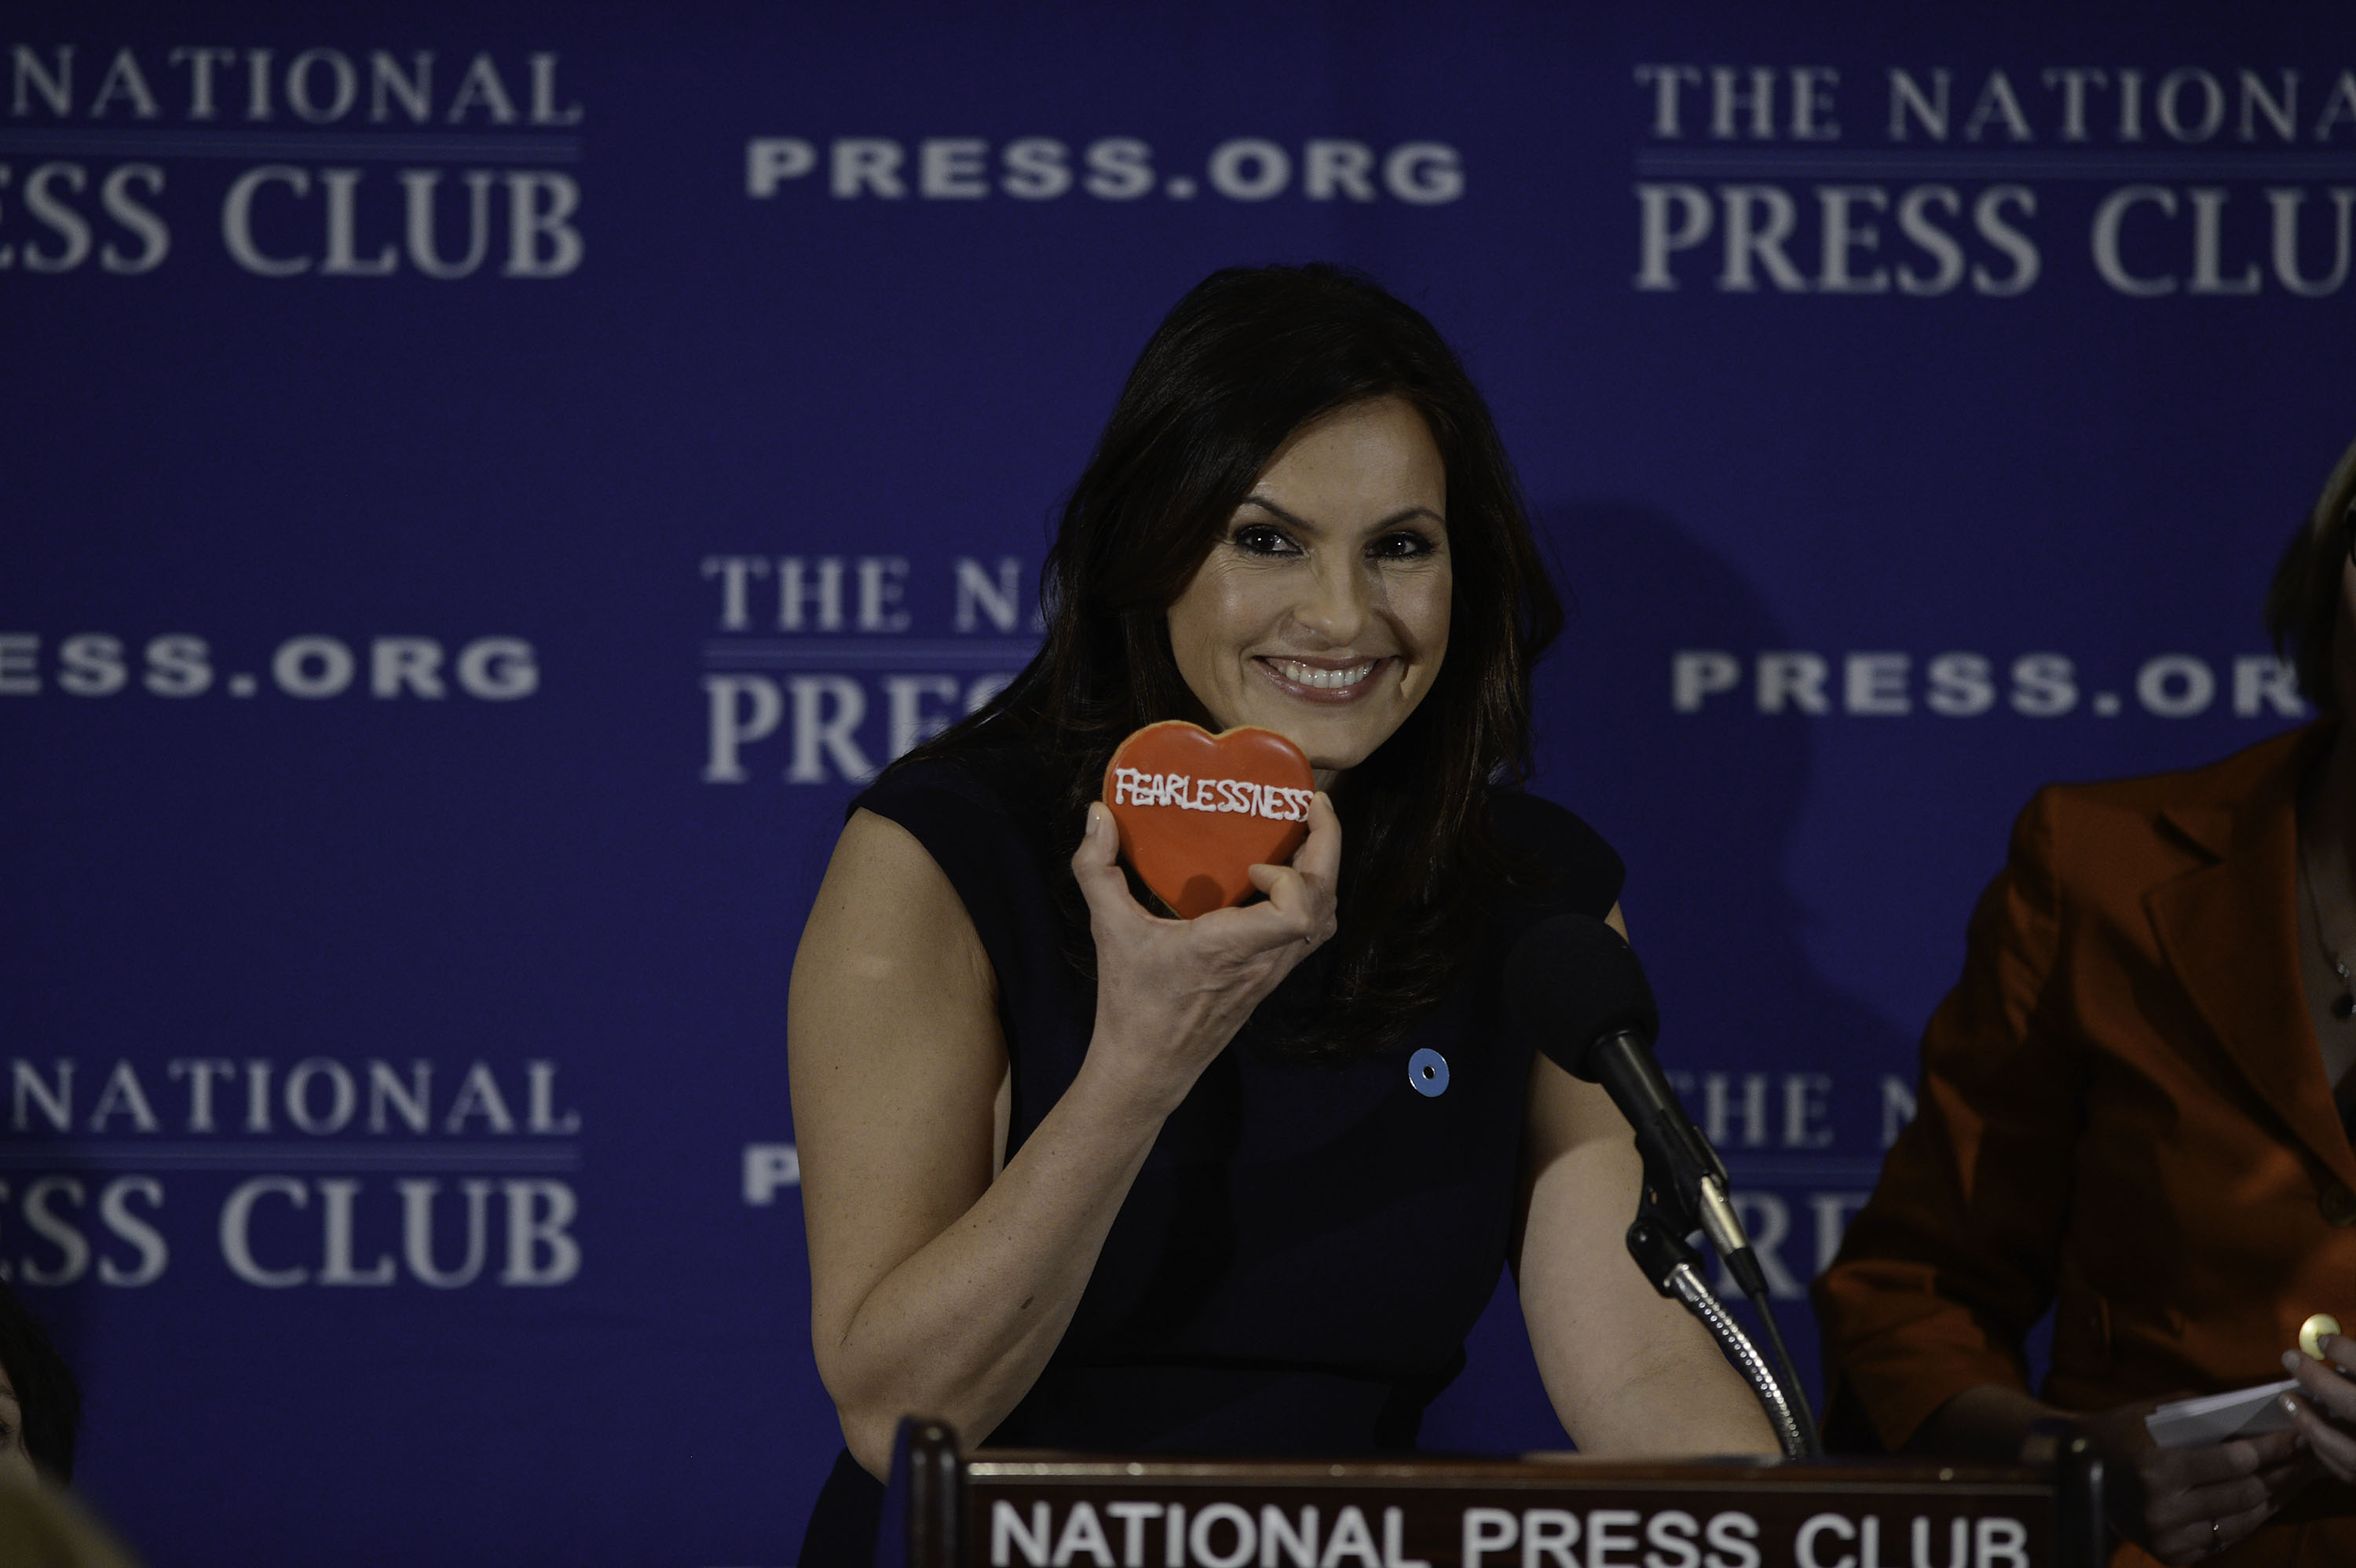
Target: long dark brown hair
(1249, 356)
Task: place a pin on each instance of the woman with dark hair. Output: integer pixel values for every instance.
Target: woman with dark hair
(2135, 1111)
(1077, 1176)
(40, 1405)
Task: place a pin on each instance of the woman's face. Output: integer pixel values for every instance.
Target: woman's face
(1322, 611)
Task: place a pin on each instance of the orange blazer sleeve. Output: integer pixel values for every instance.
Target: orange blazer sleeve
(1941, 1274)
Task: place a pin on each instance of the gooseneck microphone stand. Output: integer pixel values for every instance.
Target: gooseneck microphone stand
(1673, 1207)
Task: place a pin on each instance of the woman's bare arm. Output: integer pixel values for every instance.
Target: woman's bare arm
(937, 1287)
(1628, 1372)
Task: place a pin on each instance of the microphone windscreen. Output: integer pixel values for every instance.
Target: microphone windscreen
(1570, 981)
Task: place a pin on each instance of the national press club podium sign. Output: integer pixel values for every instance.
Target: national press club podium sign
(487, 485)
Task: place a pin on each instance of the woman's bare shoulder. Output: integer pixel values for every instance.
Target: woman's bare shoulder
(887, 914)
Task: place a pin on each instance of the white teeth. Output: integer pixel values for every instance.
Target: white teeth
(1329, 680)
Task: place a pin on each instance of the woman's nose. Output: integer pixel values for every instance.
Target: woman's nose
(1338, 601)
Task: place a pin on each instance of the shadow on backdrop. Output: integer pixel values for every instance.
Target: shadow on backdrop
(1702, 806)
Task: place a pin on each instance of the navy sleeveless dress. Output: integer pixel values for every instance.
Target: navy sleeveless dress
(1298, 1262)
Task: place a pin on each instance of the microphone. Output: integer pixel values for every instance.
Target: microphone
(1576, 990)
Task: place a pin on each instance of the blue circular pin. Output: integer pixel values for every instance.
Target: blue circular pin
(1426, 1070)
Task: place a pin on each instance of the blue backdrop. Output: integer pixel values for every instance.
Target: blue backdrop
(482, 483)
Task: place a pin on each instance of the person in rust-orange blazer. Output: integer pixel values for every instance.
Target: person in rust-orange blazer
(2124, 1114)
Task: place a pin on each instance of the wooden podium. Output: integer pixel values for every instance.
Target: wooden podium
(1006, 1509)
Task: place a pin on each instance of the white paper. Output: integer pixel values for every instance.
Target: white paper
(2243, 1413)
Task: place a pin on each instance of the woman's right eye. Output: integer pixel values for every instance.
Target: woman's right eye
(1260, 538)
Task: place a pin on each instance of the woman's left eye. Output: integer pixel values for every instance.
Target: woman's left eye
(1400, 547)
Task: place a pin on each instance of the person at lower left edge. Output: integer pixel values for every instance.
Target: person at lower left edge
(40, 1404)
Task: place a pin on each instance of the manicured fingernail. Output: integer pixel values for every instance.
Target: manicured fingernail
(2290, 1361)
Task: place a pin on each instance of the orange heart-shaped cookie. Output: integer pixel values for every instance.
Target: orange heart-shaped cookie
(1196, 810)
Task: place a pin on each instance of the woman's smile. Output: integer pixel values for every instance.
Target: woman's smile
(1315, 680)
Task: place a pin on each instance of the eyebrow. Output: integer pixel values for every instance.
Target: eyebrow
(1391, 522)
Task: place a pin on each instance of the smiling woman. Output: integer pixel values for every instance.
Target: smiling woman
(1078, 1175)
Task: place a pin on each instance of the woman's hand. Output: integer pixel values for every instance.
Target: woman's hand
(2325, 1406)
(1171, 993)
(2179, 1504)
(2185, 1504)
